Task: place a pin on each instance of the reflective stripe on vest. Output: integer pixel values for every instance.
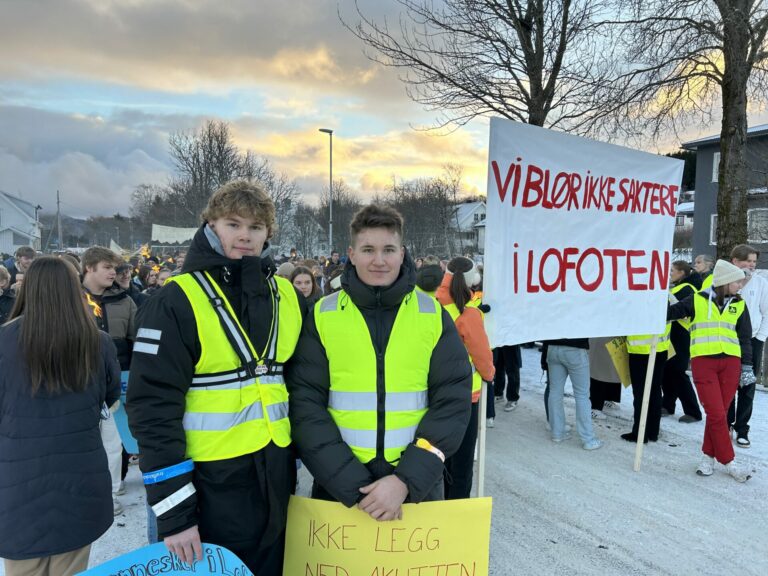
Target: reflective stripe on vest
(353, 363)
(684, 322)
(641, 344)
(477, 380)
(232, 408)
(713, 332)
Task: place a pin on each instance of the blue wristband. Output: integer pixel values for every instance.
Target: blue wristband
(167, 473)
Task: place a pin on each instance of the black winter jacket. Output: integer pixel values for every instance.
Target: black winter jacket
(118, 319)
(159, 383)
(329, 459)
(55, 488)
(679, 336)
(7, 300)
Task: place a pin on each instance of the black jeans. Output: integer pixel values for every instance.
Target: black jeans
(638, 366)
(740, 410)
(601, 392)
(507, 360)
(490, 408)
(458, 468)
(677, 385)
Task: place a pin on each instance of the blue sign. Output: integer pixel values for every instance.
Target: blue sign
(156, 560)
(121, 418)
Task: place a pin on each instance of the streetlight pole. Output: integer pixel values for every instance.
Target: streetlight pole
(330, 188)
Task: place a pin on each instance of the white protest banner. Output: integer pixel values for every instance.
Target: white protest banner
(578, 236)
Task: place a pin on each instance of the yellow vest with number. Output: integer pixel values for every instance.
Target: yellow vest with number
(714, 332)
(477, 380)
(684, 322)
(357, 370)
(641, 343)
(230, 412)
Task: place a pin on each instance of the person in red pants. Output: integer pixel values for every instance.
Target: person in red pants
(721, 359)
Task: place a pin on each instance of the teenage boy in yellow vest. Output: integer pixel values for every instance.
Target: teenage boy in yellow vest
(206, 398)
(380, 384)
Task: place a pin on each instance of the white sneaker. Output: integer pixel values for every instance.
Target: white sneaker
(706, 467)
(509, 406)
(489, 423)
(598, 415)
(117, 508)
(609, 405)
(568, 427)
(737, 472)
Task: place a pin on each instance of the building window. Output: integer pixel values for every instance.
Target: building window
(680, 220)
(715, 166)
(19, 240)
(757, 225)
(713, 230)
(477, 217)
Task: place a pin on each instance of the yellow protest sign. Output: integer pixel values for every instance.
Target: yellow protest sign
(450, 538)
(617, 348)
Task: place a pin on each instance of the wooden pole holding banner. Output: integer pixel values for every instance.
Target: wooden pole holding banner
(646, 400)
(481, 450)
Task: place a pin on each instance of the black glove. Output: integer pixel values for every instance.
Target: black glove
(747, 376)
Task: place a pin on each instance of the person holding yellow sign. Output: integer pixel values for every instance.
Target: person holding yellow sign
(380, 385)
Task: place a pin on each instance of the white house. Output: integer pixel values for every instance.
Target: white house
(466, 219)
(18, 224)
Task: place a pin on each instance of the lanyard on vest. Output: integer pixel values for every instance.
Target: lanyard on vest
(237, 337)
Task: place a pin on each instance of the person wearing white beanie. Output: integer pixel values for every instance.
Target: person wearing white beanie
(721, 359)
(755, 294)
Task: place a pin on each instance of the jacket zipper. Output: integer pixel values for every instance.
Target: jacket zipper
(380, 385)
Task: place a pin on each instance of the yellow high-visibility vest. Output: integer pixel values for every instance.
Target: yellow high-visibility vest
(357, 369)
(707, 282)
(641, 343)
(714, 332)
(233, 409)
(684, 322)
(477, 381)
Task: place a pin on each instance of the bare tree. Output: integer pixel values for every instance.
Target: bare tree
(427, 207)
(345, 204)
(542, 62)
(685, 59)
(203, 161)
(305, 230)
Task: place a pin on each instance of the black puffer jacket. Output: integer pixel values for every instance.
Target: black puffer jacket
(55, 488)
(327, 456)
(7, 300)
(159, 383)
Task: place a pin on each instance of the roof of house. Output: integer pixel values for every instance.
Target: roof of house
(464, 213)
(752, 131)
(685, 208)
(24, 207)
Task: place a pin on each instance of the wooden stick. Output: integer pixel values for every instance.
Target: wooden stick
(481, 451)
(646, 401)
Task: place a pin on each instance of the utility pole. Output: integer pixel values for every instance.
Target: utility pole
(58, 220)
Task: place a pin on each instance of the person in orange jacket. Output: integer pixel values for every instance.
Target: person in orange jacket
(454, 294)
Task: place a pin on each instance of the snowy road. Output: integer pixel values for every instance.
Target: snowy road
(560, 510)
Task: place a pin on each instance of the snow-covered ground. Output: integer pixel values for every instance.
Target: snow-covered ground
(560, 510)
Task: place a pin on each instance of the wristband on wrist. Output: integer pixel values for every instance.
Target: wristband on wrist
(424, 444)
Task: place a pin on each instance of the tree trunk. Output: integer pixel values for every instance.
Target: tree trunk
(732, 174)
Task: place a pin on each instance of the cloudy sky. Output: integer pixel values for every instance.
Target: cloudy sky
(90, 90)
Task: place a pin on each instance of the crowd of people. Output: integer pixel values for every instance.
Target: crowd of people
(368, 367)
